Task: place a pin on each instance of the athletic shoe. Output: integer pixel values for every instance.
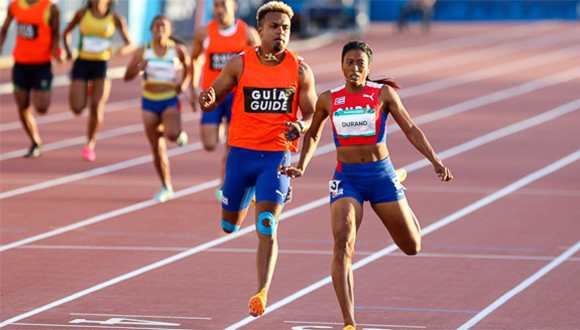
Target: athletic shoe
(349, 327)
(218, 194)
(182, 139)
(257, 304)
(89, 154)
(401, 174)
(164, 194)
(34, 151)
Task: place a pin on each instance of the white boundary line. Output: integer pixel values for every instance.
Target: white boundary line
(436, 115)
(144, 316)
(469, 145)
(97, 171)
(431, 65)
(455, 43)
(521, 287)
(301, 209)
(405, 70)
(160, 263)
(93, 327)
(115, 132)
(62, 116)
(571, 158)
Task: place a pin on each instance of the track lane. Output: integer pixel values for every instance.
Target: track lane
(331, 303)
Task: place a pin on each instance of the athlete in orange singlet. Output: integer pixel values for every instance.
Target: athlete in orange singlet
(271, 83)
(36, 45)
(223, 38)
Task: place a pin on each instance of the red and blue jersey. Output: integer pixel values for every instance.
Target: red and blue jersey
(357, 118)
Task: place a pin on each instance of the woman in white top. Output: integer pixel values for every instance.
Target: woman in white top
(161, 109)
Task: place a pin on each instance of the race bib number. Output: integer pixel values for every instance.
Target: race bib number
(94, 44)
(219, 60)
(333, 185)
(268, 100)
(354, 122)
(27, 31)
(334, 188)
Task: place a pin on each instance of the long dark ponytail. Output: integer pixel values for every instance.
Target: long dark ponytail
(361, 45)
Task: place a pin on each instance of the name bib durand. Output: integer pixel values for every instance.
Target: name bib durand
(219, 60)
(27, 31)
(354, 122)
(268, 100)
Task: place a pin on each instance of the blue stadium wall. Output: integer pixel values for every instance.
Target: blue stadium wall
(490, 10)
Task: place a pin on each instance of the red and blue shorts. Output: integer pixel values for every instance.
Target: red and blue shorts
(375, 182)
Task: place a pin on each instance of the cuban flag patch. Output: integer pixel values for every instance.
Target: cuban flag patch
(339, 100)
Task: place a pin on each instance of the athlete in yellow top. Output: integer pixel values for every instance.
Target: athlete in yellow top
(97, 21)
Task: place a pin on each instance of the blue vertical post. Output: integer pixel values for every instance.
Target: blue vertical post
(141, 14)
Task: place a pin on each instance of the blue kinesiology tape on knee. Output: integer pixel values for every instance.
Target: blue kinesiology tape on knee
(265, 216)
(229, 227)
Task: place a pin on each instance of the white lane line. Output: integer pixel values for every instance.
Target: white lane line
(95, 326)
(456, 43)
(571, 158)
(290, 251)
(431, 65)
(359, 325)
(161, 263)
(405, 70)
(97, 171)
(436, 115)
(79, 140)
(447, 45)
(521, 287)
(487, 73)
(464, 147)
(108, 215)
(503, 132)
(242, 232)
(439, 114)
(144, 316)
(62, 116)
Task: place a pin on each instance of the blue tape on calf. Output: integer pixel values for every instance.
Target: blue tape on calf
(265, 229)
(229, 227)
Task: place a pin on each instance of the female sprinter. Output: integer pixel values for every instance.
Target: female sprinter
(358, 112)
(97, 22)
(161, 110)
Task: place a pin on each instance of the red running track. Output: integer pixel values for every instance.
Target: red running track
(84, 246)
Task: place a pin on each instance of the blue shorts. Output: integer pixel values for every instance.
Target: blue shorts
(224, 109)
(375, 182)
(159, 106)
(251, 171)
